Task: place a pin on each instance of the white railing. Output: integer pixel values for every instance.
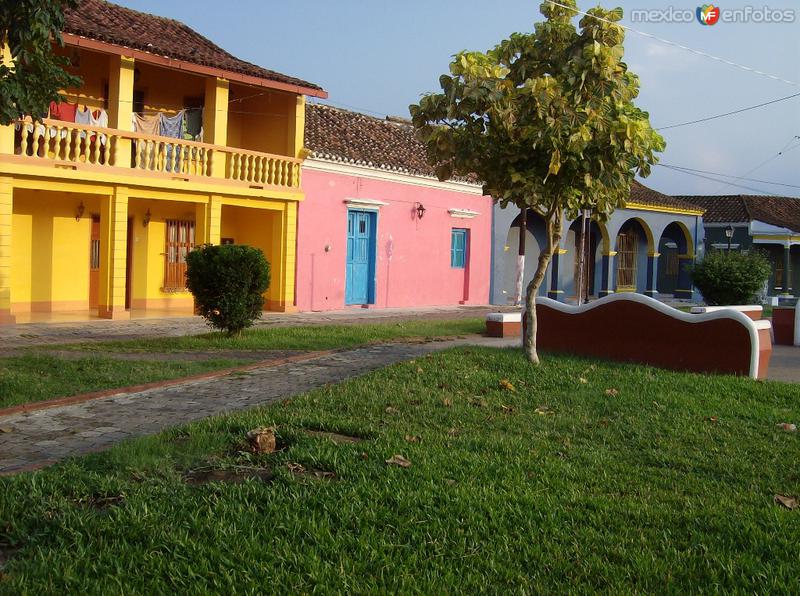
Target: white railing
(81, 145)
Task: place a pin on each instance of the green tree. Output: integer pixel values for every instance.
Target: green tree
(726, 278)
(228, 283)
(35, 75)
(547, 121)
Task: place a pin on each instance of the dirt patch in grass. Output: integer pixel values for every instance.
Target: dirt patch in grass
(101, 501)
(337, 438)
(235, 476)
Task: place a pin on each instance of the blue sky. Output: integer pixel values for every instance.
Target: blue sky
(378, 56)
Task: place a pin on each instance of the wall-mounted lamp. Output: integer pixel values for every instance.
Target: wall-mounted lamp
(146, 218)
(79, 211)
(420, 210)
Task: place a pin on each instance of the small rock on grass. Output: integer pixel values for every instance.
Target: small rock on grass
(398, 460)
(787, 501)
(262, 439)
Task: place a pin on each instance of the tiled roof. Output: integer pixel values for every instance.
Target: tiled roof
(783, 212)
(102, 21)
(349, 137)
(647, 196)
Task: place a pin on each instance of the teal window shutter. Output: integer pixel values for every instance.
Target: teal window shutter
(458, 248)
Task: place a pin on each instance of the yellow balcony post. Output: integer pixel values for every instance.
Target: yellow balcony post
(6, 205)
(6, 132)
(120, 105)
(284, 237)
(297, 126)
(215, 122)
(208, 220)
(113, 254)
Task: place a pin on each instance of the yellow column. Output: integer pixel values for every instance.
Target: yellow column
(6, 132)
(214, 219)
(297, 126)
(113, 254)
(284, 239)
(6, 204)
(215, 122)
(120, 104)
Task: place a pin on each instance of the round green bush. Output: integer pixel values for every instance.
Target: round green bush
(729, 278)
(228, 283)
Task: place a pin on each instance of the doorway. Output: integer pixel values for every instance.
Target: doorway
(361, 245)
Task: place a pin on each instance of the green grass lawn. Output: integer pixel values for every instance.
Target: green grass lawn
(522, 479)
(36, 377)
(312, 337)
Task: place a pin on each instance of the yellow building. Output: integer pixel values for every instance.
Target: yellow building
(96, 218)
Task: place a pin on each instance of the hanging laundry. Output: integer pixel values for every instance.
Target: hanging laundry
(193, 124)
(83, 116)
(147, 124)
(172, 127)
(99, 118)
(64, 111)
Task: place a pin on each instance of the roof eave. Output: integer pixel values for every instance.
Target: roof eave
(102, 46)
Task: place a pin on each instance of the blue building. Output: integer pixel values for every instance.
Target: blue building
(768, 224)
(645, 247)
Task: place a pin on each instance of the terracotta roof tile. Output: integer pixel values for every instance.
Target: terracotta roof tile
(349, 137)
(647, 196)
(102, 21)
(777, 211)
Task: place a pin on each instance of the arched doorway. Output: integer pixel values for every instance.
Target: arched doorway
(634, 244)
(535, 240)
(590, 271)
(676, 252)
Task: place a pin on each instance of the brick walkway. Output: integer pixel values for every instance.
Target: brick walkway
(39, 438)
(39, 334)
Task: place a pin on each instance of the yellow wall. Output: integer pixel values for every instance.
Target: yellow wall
(50, 251)
(260, 123)
(93, 68)
(148, 252)
(253, 227)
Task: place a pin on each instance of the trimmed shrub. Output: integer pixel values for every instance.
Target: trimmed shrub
(227, 283)
(729, 278)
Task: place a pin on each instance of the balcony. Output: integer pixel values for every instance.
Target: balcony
(89, 148)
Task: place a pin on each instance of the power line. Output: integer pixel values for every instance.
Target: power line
(739, 111)
(681, 46)
(674, 167)
(725, 182)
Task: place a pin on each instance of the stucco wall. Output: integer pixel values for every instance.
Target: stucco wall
(413, 255)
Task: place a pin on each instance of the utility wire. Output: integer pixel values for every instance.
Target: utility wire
(739, 111)
(681, 46)
(674, 167)
(725, 182)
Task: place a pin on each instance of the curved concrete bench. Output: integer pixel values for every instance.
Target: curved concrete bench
(636, 328)
(754, 311)
(504, 324)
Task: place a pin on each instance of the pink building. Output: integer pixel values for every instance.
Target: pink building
(377, 228)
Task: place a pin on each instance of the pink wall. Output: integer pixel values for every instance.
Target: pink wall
(413, 262)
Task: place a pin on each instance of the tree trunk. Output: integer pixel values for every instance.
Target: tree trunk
(553, 231)
(523, 228)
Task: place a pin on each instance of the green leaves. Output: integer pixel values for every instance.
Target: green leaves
(36, 76)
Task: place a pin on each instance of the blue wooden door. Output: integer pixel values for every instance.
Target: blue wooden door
(360, 257)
